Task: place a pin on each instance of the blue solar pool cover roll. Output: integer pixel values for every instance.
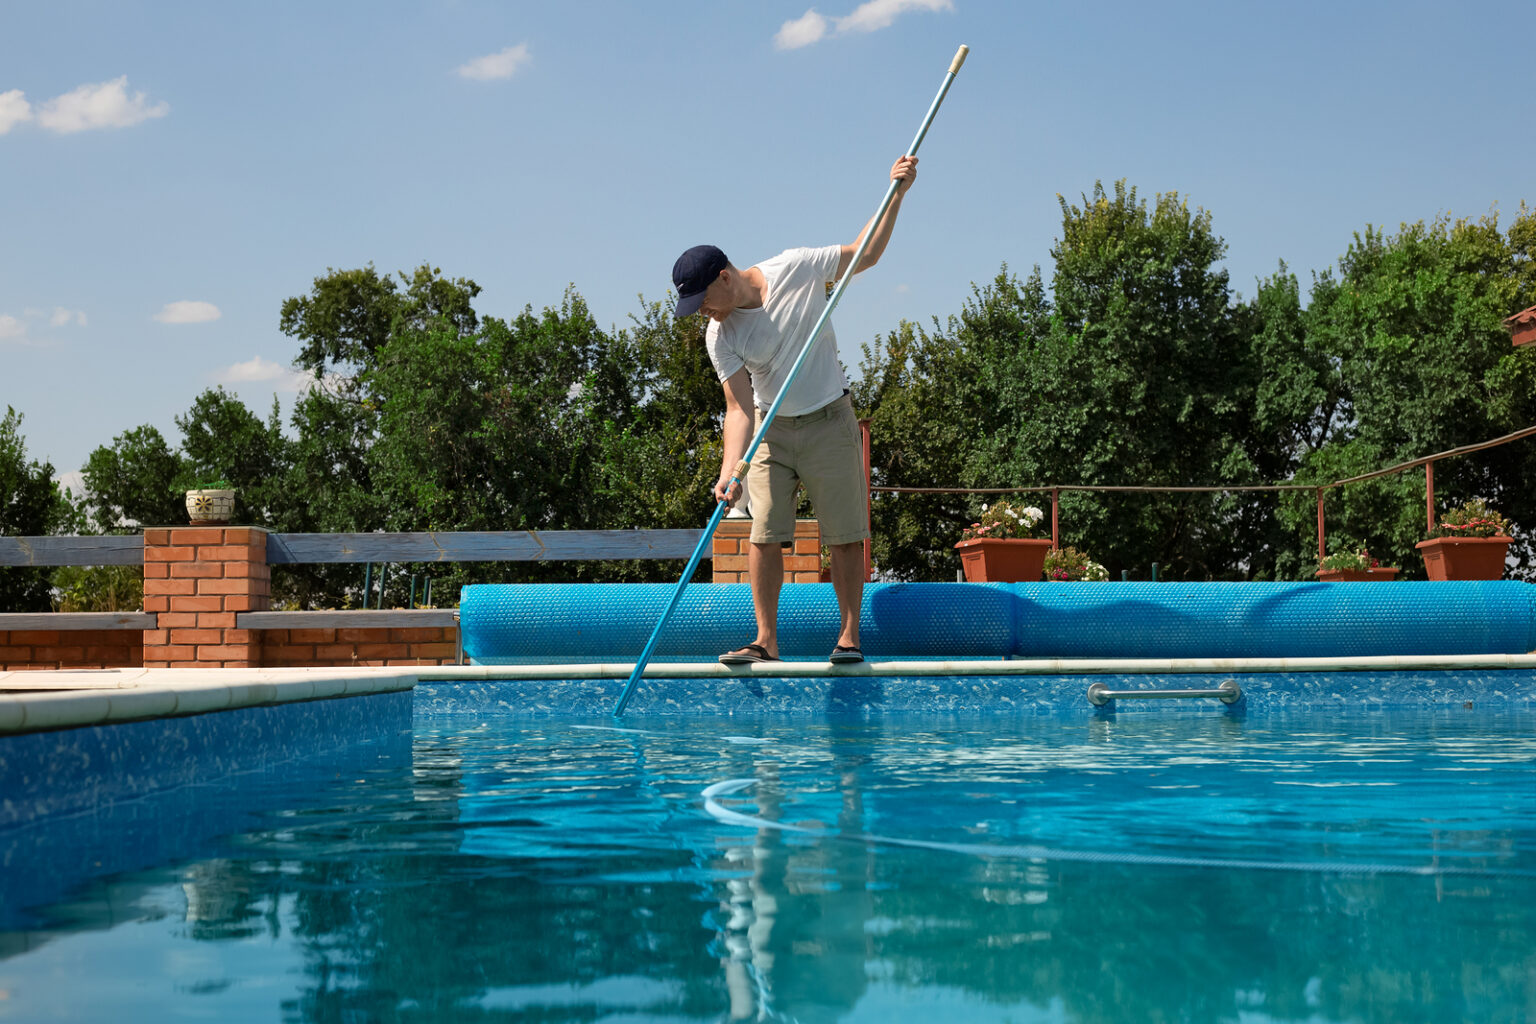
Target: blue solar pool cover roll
(558, 623)
(1258, 620)
(553, 623)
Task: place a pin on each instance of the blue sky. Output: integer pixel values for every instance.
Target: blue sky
(171, 172)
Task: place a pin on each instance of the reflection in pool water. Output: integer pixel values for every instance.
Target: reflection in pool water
(1155, 867)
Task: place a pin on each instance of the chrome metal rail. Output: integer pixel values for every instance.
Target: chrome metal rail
(1228, 693)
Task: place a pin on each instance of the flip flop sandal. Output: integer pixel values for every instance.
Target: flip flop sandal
(747, 655)
(845, 655)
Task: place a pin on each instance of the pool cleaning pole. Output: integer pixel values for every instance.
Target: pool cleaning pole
(739, 475)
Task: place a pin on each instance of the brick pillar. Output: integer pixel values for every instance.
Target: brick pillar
(802, 564)
(197, 579)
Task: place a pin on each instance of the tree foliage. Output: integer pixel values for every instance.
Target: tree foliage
(131, 482)
(425, 416)
(1134, 363)
(31, 504)
(1135, 370)
(1140, 367)
(1413, 323)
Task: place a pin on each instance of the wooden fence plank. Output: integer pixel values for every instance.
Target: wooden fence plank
(72, 550)
(509, 546)
(311, 548)
(77, 620)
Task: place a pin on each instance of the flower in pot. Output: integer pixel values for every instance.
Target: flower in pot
(211, 503)
(1068, 565)
(1349, 566)
(1467, 543)
(1000, 546)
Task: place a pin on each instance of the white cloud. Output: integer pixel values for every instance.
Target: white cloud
(877, 14)
(497, 65)
(803, 31)
(870, 16)
(187, 312)
(18, 329)
(102, 105)
(257, 370)
(14, 109)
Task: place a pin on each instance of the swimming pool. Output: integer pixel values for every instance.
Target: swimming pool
(1296, 865)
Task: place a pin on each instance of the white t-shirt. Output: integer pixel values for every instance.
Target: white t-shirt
(767, 340)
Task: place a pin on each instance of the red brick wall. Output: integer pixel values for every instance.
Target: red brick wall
(292, 648)
(276, 648)
(197, 579)
(71, 648)
(730, 545)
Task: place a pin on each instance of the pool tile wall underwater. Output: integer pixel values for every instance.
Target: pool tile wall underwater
(73, 770)
(46, 859)
(1035, 694)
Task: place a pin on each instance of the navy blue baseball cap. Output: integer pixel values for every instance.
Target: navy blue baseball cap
(694, 271)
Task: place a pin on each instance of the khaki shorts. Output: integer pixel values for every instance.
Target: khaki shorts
(824, 450)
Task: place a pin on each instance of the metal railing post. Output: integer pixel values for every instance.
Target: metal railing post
(1429, 495)
(1322, 551)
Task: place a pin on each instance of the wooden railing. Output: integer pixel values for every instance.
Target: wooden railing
(334, 548)
(315, 548)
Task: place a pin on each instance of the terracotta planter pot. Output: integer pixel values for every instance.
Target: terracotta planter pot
(1003, 561)
(1355, 575)
(1464, 558)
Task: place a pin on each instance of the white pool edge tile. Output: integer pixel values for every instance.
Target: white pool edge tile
(167, 693)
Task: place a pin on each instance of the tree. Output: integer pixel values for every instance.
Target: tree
(224, 440)
(923, 396)
(1414, 323)
(427, 416)
(348, 317)
(133, 482)
(1166, 381)
(1136, 370)
(31, 505)
(543, 422)
(351, 314)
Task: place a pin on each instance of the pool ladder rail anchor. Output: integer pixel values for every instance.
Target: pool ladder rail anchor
(1228, 692)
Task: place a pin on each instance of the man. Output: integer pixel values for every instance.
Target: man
(760, 319)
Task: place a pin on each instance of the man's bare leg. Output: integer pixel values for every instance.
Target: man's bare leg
(848, 583)
(765, 568)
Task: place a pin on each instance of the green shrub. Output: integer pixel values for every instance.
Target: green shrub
(98, 588)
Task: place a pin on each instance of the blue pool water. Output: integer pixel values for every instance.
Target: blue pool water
(1296, 866)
